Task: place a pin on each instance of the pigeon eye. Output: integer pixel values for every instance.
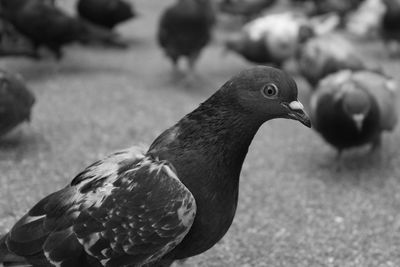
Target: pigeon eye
(270, 90)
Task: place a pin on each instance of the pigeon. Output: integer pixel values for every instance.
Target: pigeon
(365, 21)
(49, 2)
(340, 7)
(327, 54)
(390, 28)
(171, 202)
(16, 102)
(271, 39)
(185, 29)
(305, 6)
(46, 25)
(353, 108)
(245, 8)
(13, 44)
(254, 51)
(106, 13)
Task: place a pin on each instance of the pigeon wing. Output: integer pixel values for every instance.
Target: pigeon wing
(121, 211)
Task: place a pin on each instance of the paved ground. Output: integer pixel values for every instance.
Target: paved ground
(296, 208)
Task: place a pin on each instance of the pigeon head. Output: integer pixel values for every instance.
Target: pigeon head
(356, 104)
(266, 93)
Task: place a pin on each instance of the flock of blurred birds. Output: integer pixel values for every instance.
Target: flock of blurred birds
(352, 102)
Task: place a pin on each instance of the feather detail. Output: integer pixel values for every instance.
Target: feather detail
(125, 209)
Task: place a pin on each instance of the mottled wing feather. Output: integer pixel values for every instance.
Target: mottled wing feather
(126, 209)
(147, 214)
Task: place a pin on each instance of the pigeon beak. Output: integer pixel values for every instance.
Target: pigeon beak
(296, 112)
(359, 121)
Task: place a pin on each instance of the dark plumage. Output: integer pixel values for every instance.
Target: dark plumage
(391, 23)
(185, 29)
(106, 13)
(46, 25)
(245, 8)
(299, 1)
(12, 43)
(327, 54)
(16, 102)
(353, 108)
(172, 202)
(254, 51)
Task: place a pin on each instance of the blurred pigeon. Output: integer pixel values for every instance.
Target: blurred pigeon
(12, 43)
(16, 102)
(327, 54)
(177, 200)
(305, 6)
(391, 25)
(339, 7)
(353, 108)
(271, 39)
(246, 8)
(254, 51)
(106, 13)
(49, 2)
(46, 25)
(185, 29)
(365, 22)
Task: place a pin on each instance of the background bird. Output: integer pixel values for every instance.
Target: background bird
(137, 208)
(365, 21)
(16, 102)
(46, 25)
(12, 43)
(271, 39)
(390, 30)
(185, 28)
(247, 9)
(106, 13)
(340, 7)
(353, 108)
(327, 54)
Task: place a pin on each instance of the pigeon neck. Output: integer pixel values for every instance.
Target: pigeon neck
(224, 133)
(217, 135)
(207, 148)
